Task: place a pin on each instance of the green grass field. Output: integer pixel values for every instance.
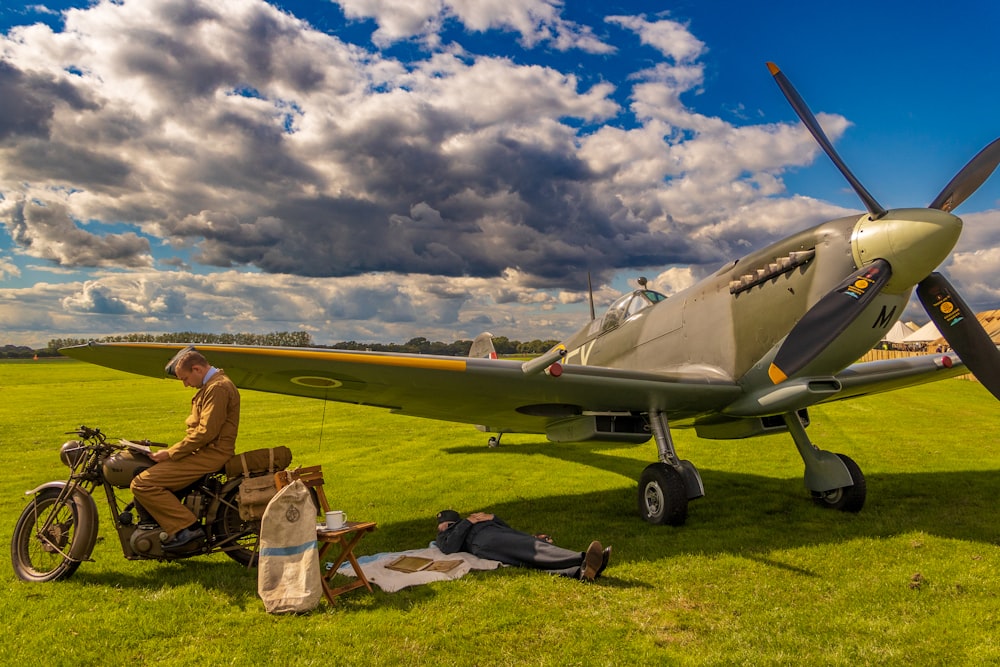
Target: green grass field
(758, 576)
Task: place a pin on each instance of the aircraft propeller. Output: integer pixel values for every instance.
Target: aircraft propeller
(828, 318)
(969, 178)
(809, 120)
(833, 313)
(959, 326)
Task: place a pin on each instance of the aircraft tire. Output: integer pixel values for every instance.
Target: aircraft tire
(847, 498)
(662, 495)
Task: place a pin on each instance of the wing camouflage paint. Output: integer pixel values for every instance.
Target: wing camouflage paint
(494, 393)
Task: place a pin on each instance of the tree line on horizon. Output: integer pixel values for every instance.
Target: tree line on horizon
(418, 345)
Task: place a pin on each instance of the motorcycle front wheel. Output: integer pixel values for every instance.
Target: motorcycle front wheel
(44, 537)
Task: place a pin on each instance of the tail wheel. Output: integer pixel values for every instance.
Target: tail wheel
(43, 537)
(237, 537)
(847, 498)
(662, 495)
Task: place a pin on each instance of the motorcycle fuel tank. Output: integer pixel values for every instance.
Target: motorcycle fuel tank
(120, 468)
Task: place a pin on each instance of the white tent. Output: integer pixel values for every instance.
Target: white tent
(925, 334)
(898, 333)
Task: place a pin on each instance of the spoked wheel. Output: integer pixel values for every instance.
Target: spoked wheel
(238, 538)
(43, 537)
(662, 495)
(847, 498)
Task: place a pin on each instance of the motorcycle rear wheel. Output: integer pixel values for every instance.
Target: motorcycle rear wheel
(240, 538)
(38, 556)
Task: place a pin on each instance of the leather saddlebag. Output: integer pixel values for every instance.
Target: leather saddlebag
(259, 461)
(258, 486)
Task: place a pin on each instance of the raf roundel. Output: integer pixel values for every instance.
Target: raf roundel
(317, 382)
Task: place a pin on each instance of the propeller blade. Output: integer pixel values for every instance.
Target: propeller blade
(959, 326)
(826, 320)
(968, 179)
(809, 120)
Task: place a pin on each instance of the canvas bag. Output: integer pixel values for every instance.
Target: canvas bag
(256, 492)
(288, 578)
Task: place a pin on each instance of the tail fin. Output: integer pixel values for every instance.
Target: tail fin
(482, 347)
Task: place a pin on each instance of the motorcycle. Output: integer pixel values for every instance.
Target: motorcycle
(57, 530)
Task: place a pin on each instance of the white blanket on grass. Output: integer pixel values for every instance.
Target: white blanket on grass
(390, 581)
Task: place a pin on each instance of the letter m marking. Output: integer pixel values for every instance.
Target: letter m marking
(884, 318)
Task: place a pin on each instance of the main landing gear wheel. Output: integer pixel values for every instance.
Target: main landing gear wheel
(663, 497)
(847, 498)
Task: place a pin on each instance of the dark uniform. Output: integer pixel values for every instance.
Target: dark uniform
(495, 540)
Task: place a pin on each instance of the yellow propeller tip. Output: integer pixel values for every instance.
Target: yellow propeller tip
(773, 68)
(776, 374)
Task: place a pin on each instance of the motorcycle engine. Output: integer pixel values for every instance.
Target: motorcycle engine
(121, 467)
(146, 541)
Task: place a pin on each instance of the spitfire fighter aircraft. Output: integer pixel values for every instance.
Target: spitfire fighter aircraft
(744, 352)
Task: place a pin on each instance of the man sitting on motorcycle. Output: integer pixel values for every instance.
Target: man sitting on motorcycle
(209, 443)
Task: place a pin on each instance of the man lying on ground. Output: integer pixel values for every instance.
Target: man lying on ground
(487, 536)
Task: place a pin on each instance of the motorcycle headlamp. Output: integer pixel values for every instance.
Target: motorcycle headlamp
(71, 453)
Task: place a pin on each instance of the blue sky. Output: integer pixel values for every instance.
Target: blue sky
(379, 170)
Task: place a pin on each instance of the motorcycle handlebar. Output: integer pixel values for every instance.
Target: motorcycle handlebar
(85, 432)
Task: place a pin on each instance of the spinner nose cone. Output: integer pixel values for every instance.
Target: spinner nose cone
(913, 240)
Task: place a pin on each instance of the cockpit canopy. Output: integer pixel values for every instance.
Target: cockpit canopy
(629, 305)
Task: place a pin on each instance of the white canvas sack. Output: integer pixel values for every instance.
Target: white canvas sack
(288, 579)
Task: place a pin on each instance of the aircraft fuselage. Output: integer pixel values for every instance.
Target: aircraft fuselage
(730, 324)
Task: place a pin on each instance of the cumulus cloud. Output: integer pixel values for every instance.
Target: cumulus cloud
(426, 191)
(45, 229)
(535, 21)
(674, 280)
(976, 272)
(670, 38)
(368, 307)
(265, 143)
(8, 268)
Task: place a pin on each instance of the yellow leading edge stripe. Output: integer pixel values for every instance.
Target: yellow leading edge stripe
(458, 365)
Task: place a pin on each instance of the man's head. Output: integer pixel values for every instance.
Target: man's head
(191, 368)
(447, 518)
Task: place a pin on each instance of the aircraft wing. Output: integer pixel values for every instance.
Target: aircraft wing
(872, 377)
(495, 393)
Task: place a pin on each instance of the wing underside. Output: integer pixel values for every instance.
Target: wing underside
(874, 377)
(497, 394)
